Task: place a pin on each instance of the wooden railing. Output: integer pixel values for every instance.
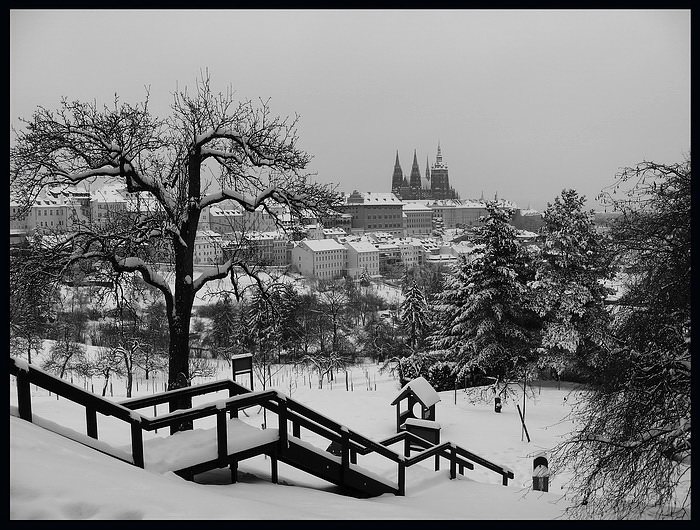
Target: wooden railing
(288, 411)
(456, 455)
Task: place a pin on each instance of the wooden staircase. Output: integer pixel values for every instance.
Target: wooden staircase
(226, 445)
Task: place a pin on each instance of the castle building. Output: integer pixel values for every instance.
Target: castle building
(434, 185)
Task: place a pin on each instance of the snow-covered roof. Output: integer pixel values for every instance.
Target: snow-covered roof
(334, 231)
(448, 203)
(372, 197)
(108, 194)
(216, 211)
(524, 234)
(423, 391)
(361, 246)
(415, 206)
(207, 234)
(318, 245)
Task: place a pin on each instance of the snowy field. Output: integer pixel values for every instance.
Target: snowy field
(52, 477)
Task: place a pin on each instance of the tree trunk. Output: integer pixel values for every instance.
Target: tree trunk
(178, 361)
(180, 314)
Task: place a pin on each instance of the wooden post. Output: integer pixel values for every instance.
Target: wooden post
(453, 462)
(402, 477)
(221, 436)
(522, 420)
(273, 467)
(233, 466)
(91, 422)
(282, 425)
(523, 414)
(24, 396)
(344, 454)
(137, 444)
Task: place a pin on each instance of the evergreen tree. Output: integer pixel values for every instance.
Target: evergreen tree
(290, 329)
(568, 290)
(415, 317)
(224, 326)
(484, 316)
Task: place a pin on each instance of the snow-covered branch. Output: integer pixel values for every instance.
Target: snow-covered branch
(252, 203)
(149, 274)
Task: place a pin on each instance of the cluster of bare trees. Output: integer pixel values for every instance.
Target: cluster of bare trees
(324, 327)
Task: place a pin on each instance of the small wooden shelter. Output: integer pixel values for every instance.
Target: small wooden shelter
(416, 391)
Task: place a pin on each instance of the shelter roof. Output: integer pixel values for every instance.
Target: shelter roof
(423, 391)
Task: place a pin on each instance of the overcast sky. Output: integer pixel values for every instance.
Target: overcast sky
(524, 103)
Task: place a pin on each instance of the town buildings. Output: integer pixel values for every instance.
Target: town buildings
(372, 234)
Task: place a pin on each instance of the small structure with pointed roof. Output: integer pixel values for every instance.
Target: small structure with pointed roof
(418, 391)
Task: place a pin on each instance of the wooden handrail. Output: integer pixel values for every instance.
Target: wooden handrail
(27, 374)
(210, 409)
(287, 409)
(468, 455)
(190, 391)
(68, 390)
(505, 473)
(364, 444)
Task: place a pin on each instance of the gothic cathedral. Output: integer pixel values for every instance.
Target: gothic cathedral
(435, 184)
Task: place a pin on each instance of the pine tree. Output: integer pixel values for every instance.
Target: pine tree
(484, 317)
(415, 317)
(569, 288)
(290, 328)
(224, 327)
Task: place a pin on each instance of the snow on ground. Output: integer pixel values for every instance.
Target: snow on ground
(52, 477)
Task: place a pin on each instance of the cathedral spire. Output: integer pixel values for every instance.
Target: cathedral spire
(397, 178)
(438, 158)
(414, 180)
(427, 169)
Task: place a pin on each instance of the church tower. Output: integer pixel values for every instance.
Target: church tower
(397, 179)
(414, 181)
(439, 179)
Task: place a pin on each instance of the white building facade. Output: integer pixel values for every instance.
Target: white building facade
(362, 256)
(323, 259)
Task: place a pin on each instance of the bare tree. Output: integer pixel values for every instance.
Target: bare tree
(631, 449)
(108, 362)
(66, 355)
(35, 272)
(209, 150)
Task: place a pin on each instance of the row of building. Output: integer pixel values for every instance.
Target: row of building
(371, 232)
